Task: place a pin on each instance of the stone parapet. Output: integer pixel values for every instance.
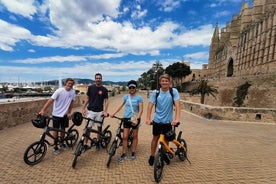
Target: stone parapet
(264, 115)
(19, 112)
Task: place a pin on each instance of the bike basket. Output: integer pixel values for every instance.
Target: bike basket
(77, 118)
(170, 135)
(40, 121)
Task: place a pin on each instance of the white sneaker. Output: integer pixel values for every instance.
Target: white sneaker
(56, 151)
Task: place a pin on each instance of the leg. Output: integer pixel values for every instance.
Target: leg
(135, 140)
(125, 137)
(154, 143)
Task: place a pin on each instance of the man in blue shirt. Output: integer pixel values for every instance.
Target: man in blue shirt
(164, 108)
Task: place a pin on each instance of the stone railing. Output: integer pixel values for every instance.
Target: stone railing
(264, 115)
(20, 111)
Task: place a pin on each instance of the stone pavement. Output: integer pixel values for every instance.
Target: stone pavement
(220, 152)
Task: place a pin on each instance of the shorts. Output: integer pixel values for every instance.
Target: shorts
(128, 124)
(158, 128)
(60, 122)
(98, 116)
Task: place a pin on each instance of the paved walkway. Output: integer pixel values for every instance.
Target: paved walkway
(220, 152)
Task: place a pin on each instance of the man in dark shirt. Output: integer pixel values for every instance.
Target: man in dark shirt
(96, 104)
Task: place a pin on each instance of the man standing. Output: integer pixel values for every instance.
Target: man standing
(163, 119)
(96, 102)
(63, 103)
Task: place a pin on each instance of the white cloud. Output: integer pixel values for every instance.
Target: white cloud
(13, 34)
(24, 8)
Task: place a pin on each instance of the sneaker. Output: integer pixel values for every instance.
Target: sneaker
(133, 156)
(97, 146)
(85, 148)
(56, 151)
(151, 160)
(64, 147)
(122, 157)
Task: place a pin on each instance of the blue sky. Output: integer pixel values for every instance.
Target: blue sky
(50, 39)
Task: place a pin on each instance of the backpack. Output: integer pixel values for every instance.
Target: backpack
(158, 92)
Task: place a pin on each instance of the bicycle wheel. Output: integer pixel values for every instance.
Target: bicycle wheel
(158, 166)
(111, 152)
(77, 153)
(35, 153)
(72, 137)
(105, 140)
(182, 154)
(130, 139)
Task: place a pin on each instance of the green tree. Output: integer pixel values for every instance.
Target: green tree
(203, 89)
(178, 71)
(149, 79)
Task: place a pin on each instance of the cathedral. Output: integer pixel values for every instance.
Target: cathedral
(247, 45)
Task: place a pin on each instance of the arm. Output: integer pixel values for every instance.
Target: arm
(47, 104)
(118, 109)
(140, 110)
(177, 112)
(70, 109)
(149, 110)
(105, 108)
(85, 105)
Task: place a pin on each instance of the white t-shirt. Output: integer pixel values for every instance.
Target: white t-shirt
(62, 100)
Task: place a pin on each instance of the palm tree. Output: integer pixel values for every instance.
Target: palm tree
(204, 89)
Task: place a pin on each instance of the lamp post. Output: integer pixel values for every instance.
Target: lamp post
(157, 78)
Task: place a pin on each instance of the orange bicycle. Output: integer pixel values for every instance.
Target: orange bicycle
(165, 153)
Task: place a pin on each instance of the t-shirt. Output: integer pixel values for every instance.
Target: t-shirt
(135, 100)
(62, 100)
(96, 97)
(164, 109)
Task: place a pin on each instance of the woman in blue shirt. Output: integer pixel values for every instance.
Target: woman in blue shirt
(133, 110)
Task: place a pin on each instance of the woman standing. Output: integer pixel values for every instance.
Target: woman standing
(133, 111)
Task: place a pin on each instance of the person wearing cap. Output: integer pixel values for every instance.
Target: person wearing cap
(133, 103)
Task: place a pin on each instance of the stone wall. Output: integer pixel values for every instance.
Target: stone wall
(263, 115)
(14, 113)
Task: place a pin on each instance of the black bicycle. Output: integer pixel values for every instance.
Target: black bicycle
(118, 140)
(37, 150)
(105, 136)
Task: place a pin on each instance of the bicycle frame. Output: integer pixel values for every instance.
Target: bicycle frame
(47, 131)
(165, 153)
(166, 145)
(87, 130)
(37, 150)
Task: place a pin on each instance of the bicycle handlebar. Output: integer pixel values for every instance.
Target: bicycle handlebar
(122, 119)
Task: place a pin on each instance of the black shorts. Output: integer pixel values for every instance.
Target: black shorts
(127, 124)
(60, 122)
(158, 128)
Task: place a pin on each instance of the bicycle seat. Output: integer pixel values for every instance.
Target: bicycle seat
(77, 118)
(40, 121)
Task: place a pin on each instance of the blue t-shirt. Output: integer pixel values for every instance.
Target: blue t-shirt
(164, 109)
(135, 100)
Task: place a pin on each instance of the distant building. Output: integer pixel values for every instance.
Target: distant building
(247, 46)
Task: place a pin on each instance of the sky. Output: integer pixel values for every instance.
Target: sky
(44, 40)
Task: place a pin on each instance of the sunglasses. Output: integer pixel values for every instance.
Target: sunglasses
(131, 87)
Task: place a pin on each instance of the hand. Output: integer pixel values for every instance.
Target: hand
(148, 122)
(83, 112)
(111, 115)
(41, 112)
(105, 114)
(134, 122)
(174, 123)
